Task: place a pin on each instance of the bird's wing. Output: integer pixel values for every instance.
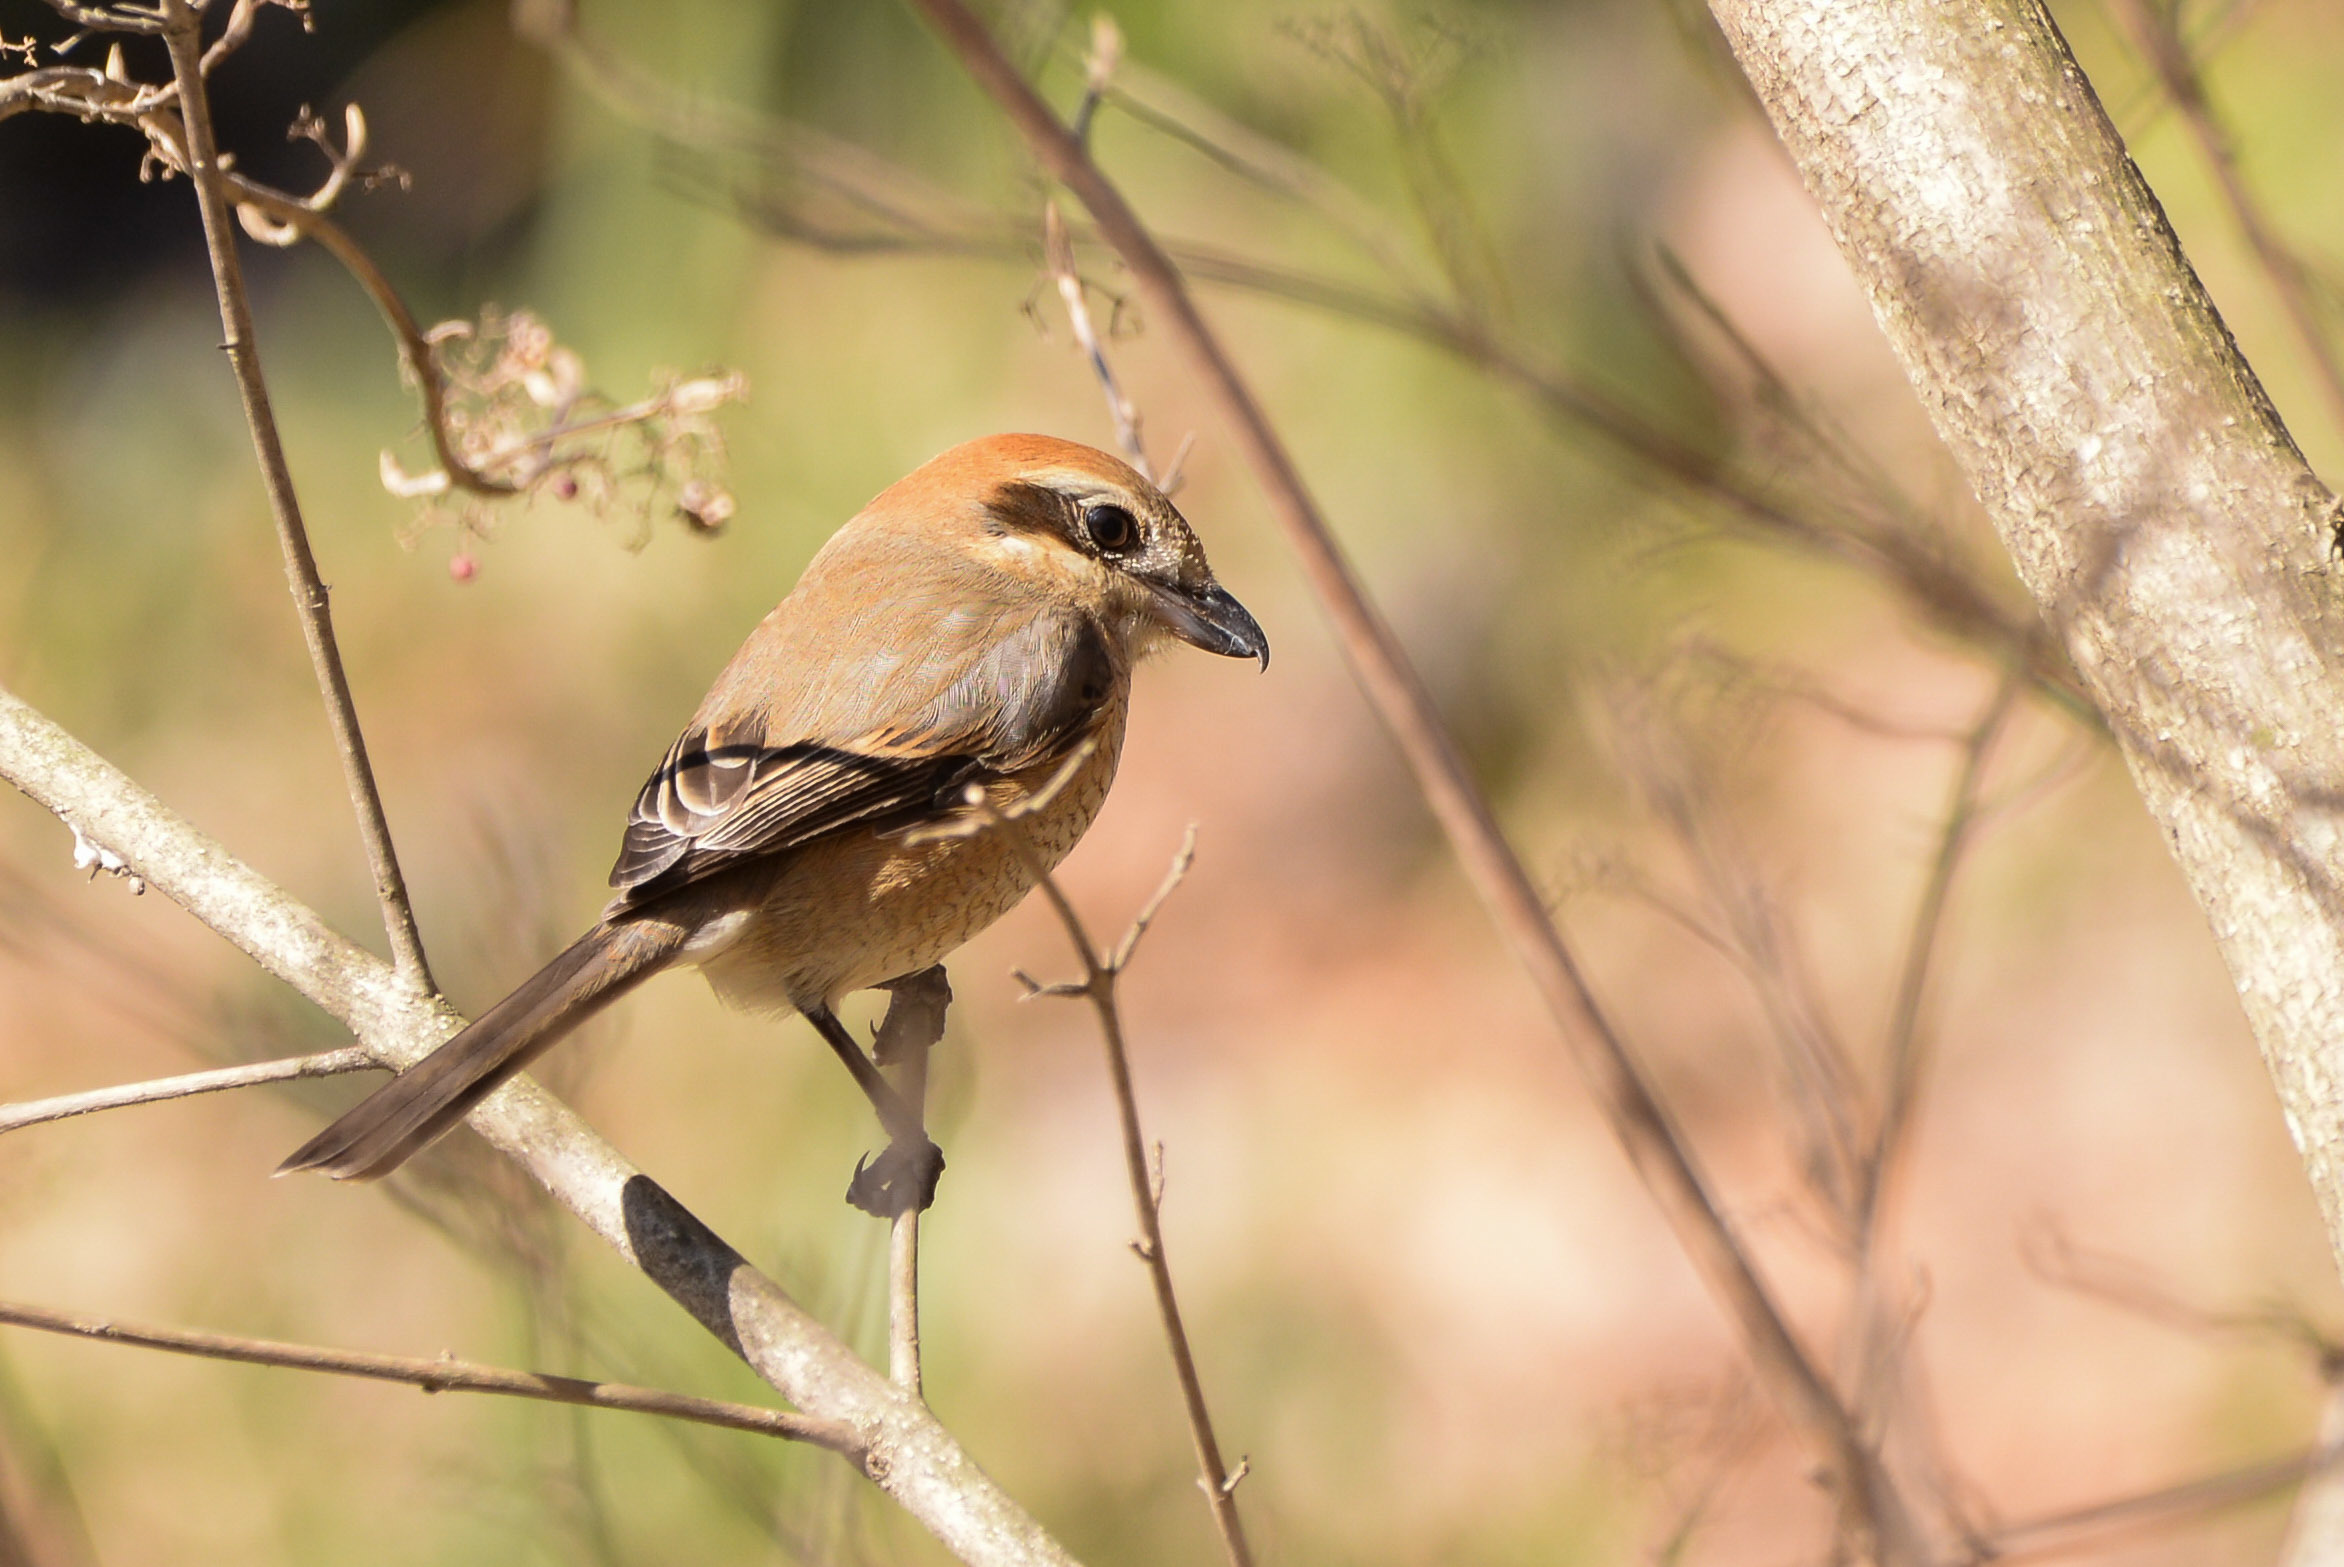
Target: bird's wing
(998, 703)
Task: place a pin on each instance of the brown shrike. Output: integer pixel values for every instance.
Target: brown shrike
(975, 624)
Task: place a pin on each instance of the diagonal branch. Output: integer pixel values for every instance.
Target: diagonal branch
(2100, 1524)
(1097, 985)
(907, 1452)
(327, 1063)
(1396, 691)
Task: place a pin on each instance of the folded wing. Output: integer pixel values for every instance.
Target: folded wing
(962, 702)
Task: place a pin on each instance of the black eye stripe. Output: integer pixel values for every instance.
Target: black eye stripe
(1112, 528)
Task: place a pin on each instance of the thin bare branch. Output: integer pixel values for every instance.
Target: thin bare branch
(1058, 255)
(1398, 694)
(444, 1376)
(1906, 1052)
(182, 34)
(2103, 1523)
(2156, 33)
(1679, 787)
(1097, 985)
(143, 21)
(328, 1063)
(2053, 1256)
(1182, 859)
(1164, 107)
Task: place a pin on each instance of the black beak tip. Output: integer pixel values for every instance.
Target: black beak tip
(1211, 619)
(1245, 634)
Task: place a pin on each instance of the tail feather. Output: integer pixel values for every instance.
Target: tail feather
(406, 1114)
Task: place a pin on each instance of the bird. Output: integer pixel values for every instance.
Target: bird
(962, 647)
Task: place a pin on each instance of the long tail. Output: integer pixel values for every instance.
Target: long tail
(411, 1110)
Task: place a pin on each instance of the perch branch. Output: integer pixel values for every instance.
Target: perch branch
(912, 1027)
(907, 1452)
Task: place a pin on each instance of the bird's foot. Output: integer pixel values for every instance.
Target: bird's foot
(901, 1180)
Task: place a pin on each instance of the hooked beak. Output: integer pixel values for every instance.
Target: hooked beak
(1209, 618)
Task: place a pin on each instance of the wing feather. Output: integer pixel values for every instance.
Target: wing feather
(720, 798)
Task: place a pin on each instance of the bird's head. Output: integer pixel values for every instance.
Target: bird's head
(1075, 523)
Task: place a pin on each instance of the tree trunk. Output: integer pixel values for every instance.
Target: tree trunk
(2156, 508)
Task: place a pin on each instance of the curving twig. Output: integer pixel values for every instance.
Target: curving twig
(182, 34)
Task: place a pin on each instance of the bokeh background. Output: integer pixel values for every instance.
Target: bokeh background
(1430, 1299)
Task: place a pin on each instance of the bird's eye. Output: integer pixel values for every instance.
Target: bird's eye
(1111, 528)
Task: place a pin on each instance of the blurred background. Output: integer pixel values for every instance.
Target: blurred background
(1430, 1299)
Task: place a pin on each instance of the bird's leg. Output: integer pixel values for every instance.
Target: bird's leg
(905, 1175)
(916, 1005)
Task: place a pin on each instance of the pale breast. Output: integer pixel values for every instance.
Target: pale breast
(848, 912)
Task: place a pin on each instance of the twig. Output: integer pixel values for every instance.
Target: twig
(912, 1027)
(182, 34)
(328, 1063)
(2052, 1256)
(2082, 1528)
(445, 1376)
(1097, 985)
(1679, 790)
(1058, 255)
(1399, 696)
(1906, 1048)
(2156, 35)
(2315, 1530)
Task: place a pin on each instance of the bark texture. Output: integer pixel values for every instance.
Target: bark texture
(2154, 504)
